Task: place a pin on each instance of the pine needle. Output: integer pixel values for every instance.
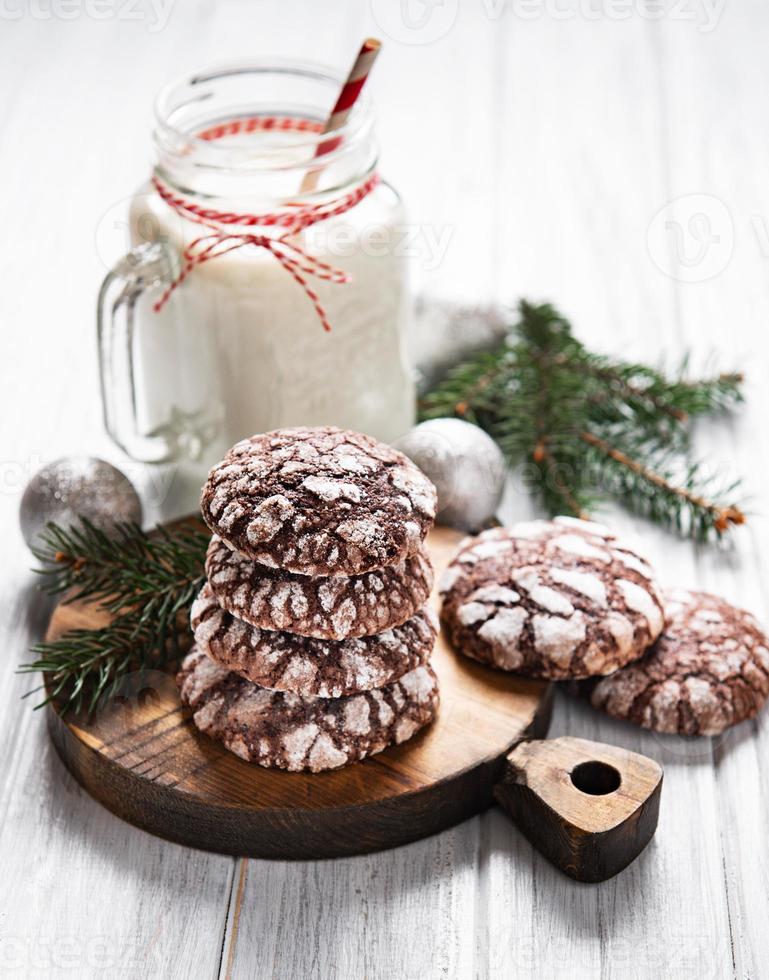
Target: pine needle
(588, 427)
(146, 582)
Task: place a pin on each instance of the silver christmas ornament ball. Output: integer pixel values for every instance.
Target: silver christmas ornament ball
(75, 487)
(466, 466)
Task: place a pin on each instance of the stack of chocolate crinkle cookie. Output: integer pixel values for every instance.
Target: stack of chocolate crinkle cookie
(567, 600)
(312, 637)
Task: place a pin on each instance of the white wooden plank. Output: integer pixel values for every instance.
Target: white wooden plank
(586, 163)
(82, 893)
(437, 108)
(721, 154)
(403, 913)
(81, 890)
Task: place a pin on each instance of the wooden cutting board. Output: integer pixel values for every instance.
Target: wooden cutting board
(144, 760)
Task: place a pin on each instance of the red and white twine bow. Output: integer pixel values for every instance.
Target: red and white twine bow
(295, 218)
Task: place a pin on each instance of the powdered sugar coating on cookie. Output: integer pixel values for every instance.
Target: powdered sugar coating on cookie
(555, 599)
(307, 666)
(334, 607)
(319, 501)
(285, 731)
(708, 670)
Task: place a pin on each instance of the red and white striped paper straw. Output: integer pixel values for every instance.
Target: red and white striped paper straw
(347, 99)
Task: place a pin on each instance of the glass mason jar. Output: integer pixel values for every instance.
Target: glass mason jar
(255, 235)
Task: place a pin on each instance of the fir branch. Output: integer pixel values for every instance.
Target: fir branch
(648, 391)
(681, 505)
(717, 394)
(146, 582)
(555, 491)
(85, 666)
(127, 565)
(584, 423)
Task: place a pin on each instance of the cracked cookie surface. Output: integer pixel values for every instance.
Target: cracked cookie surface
(285, 731)
(559, 599)
(308, 666)
(335, 607)
(708, 670)
(319, 501)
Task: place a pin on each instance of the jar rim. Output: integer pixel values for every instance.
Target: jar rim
(170, 137)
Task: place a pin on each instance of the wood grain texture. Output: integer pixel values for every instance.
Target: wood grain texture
(590, 808)
(142, 757)
(719, 152)
(547, 145)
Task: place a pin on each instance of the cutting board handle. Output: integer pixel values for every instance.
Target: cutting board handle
(590, 808)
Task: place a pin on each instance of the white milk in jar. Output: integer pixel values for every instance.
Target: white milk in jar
(238, 345)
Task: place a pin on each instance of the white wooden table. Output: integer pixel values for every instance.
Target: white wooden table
(545, 138)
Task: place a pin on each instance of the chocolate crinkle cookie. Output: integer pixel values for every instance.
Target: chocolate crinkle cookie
(334, 607)
(285, 731)
(319, 501)
(709, 670)
(309, 666)
(557, 599)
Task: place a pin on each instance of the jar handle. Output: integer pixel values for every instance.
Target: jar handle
(148, 266)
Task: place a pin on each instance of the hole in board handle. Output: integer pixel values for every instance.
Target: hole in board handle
(595, 778)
